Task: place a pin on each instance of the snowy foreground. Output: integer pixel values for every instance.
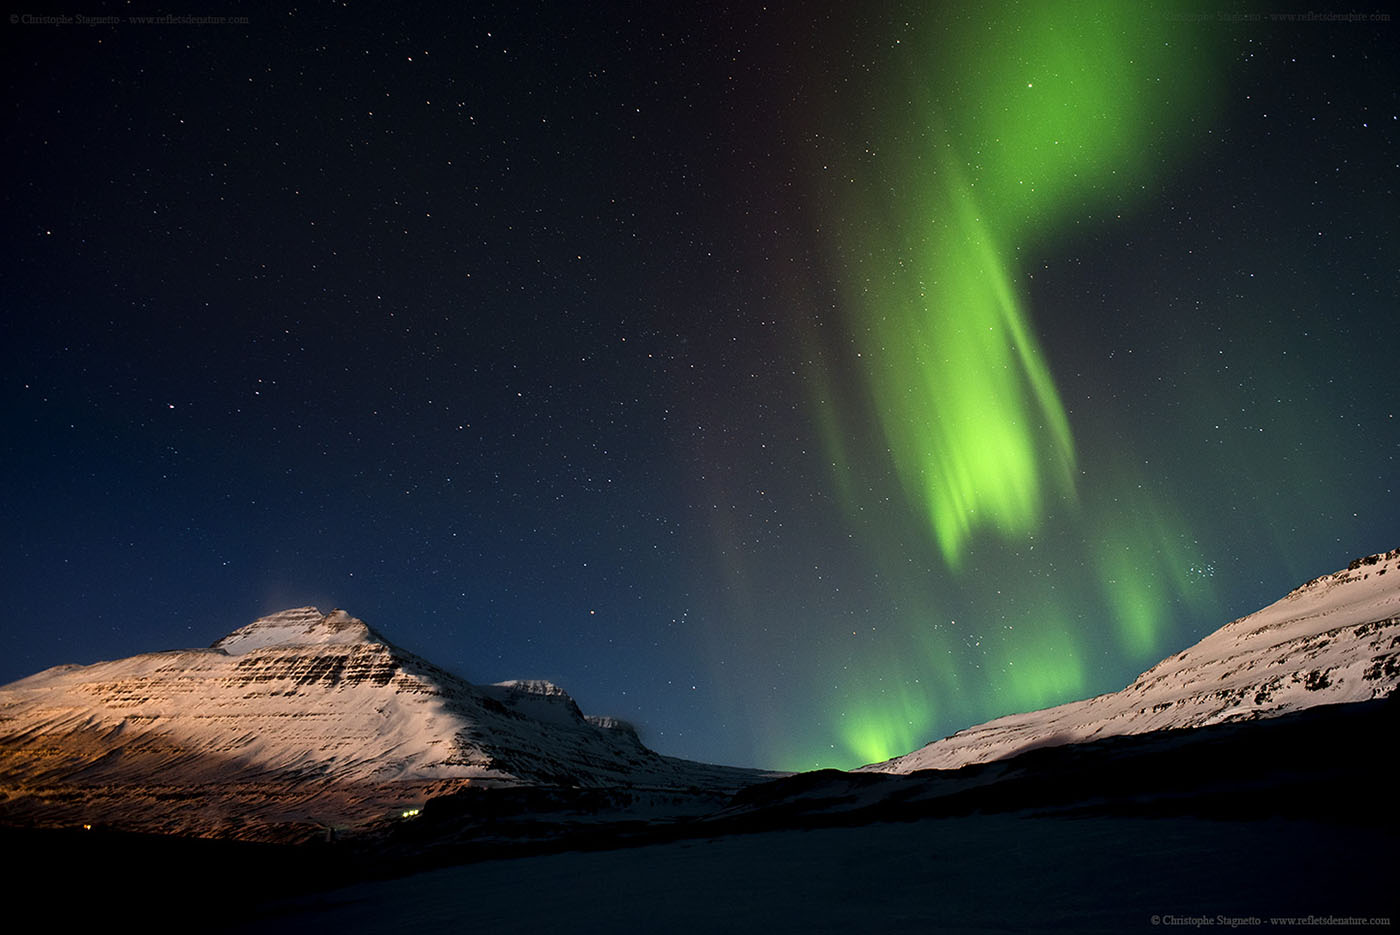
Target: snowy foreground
(972, 874)
(1285, 818)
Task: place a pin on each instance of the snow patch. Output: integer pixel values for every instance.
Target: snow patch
(302, 626)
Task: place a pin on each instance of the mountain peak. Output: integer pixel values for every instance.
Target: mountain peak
(298, 720)
(299, 626)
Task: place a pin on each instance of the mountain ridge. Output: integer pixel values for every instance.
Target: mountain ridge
(306, 706)
(301, 723)
(1333, 639)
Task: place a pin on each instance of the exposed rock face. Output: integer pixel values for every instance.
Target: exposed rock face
(297, 717)
(1335, 639)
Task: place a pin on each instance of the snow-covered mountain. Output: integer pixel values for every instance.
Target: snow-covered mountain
(1335, 639)
(302, 705)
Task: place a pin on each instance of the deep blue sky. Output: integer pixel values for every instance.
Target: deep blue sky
(507, 329)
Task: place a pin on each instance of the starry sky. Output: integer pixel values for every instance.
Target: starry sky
(801, 382)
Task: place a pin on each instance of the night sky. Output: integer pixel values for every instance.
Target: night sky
(802, 384)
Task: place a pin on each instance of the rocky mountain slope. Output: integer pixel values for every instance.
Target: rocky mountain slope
(1335, 639)
(299, 717)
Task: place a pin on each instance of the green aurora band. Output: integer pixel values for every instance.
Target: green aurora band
(1010, 125)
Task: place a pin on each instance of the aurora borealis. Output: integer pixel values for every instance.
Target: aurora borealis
(801, 383)
(1064, 107)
